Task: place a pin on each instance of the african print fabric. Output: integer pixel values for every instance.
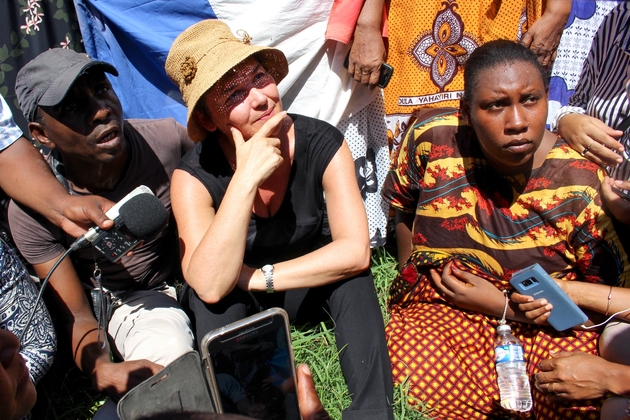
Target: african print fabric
(429, 42)
(490, 225)
(18, 294)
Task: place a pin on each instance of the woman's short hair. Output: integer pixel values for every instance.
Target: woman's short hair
(492, 54)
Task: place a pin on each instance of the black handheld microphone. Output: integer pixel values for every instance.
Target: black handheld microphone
(140, 216)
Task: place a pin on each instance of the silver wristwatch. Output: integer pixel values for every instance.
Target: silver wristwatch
(267, 271)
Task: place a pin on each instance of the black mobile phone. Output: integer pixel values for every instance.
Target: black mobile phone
(385, 75)
(250, 367)
(534, 281)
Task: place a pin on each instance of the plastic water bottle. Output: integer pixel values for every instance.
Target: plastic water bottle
(511, 372)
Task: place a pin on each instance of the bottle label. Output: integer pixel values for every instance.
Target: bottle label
(509, 353)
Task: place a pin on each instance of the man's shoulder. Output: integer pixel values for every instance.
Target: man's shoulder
(141, 122)
(148, 128)
(163, 133)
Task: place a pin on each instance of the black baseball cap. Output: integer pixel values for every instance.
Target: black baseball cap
(45, 80)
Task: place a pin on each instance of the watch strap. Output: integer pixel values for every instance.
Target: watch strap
(267, 271)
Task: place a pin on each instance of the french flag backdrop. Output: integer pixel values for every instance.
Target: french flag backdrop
(135, 36)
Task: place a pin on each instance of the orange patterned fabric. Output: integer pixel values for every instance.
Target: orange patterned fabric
(430, 40)
(446, 355)
(490, 225)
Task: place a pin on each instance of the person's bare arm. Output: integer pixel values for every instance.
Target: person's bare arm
(26, 177)
(368, 50)
(349, 252)
(544, 35)
(212, 242)
(404, 224)
(202, 238)
(70, 302)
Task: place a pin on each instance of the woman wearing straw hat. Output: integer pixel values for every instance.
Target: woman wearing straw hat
(249, 205)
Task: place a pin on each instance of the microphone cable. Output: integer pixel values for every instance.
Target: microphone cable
(41, 292)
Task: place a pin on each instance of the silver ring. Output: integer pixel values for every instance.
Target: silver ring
(586, 149)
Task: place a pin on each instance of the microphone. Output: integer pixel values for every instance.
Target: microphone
(139, 216)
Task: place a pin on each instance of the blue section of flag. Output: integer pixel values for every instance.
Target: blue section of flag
(135, 36)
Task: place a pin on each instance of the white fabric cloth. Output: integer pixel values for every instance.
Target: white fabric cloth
(151, 325)
(601, 90)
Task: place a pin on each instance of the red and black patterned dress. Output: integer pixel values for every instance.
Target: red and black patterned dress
(490, 225)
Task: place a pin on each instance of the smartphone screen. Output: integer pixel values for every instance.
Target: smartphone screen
(253, 368)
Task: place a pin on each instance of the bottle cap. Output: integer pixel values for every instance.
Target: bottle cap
(503, 327)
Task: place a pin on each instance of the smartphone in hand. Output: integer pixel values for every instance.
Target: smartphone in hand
(385, 74)
(250, 367)
(534, 281)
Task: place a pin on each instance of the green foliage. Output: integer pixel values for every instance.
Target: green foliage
(316, 347)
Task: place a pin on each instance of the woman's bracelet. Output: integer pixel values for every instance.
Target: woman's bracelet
(609, 301)
(507, 299)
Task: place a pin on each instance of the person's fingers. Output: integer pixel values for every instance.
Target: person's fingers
(599, 147)
(537, 311)
(272, 124)
(365, 76)
(464, 276)
(519, 298)
(546, 365)
(96, 213)
(621, 184)
(546, 387)
(154, 367)
(527, 39)
(374, 76)
(537, 307)
(618, 205)
(311, 407)
(237, 137)
(442, 283)
(608, 195)
(437, 279)
(538, 316)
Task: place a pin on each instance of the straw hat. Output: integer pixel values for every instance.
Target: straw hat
(203, 53)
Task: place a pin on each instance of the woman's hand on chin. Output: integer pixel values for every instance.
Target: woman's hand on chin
(261, 155)
(468, 291)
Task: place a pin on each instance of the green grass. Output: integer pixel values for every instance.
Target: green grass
(66, 394)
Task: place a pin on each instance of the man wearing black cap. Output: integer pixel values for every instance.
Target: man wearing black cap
(72, 109)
